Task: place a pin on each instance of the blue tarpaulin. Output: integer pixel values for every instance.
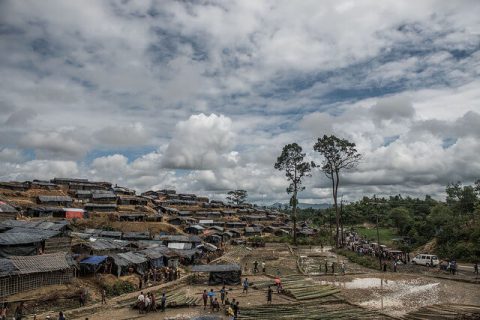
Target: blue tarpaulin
(94, 260)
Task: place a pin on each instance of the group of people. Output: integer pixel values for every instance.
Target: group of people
(231, 307)
(343, 267)
(148, 302)
(255, 266)
(155, 275)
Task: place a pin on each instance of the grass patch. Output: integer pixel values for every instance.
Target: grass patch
(365, 261)
(386, 234)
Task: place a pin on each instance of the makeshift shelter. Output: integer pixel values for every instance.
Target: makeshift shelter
(129, 261)
(23, 273)
(221, 274)
(155, 257)
(20, 244)
(7, 211)
(195, 229)
(55, 200)
(94, 264)
(100, 246)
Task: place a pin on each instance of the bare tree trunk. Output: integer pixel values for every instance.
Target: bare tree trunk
(337, 213)
(341, 221)
(334, 205)
(294, 217)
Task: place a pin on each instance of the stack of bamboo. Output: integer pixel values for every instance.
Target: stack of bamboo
(309, 311)
(445, 311)
(179, 298)
(301, 289)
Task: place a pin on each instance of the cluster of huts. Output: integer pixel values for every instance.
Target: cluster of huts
(40, 229)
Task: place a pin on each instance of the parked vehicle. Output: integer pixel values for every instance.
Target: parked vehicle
(426, 260)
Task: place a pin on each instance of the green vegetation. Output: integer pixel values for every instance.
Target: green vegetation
(366, 261)
(386, 234)
(119, 287)
(453, 223)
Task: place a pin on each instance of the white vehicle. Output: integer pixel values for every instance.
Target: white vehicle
(426, 260)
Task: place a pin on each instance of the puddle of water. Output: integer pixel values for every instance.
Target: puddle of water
(396, 297)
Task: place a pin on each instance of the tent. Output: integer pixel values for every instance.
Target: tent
(221, 274)
(93, 264)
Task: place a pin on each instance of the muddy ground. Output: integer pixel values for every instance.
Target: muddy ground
(393, 294)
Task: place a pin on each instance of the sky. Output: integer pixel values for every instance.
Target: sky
(201, 96)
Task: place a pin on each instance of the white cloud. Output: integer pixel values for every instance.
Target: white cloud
(221, 87)
(201, 142)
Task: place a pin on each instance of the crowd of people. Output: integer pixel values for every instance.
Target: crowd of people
(159, 275)
(210, 300)
(148, 302)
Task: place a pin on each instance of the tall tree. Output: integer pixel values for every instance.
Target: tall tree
(338, 155)
(237, 196)
(291, 161)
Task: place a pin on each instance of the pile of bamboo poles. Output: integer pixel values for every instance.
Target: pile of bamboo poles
(309, 311)
(179, 298)
(445, 311)
(300, 288)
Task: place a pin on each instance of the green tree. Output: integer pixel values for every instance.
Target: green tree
(402, 219)
(291, 161)
(237, 196)
(338, 155)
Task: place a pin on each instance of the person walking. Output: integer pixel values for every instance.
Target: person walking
(82, 298)
(245, 286)
(163, 301)
(395, 266)
(153, 302)
(104, 296)
(263, 266)
(475, 268)
(333, 267)
(236, 309)
(326, 266)
(269, 295)
(255, 266)
(211, 295)
(222, 295)
(384, 266)
(205, 299)
(343, 267)
(141, 302)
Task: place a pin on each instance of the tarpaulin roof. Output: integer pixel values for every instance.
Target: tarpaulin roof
(44, 234)
(54, 199)
(180, 238)
(180, 245)
(185, 253)
(136, 235)
(128, 258)
(216, 268)
(7, 267)
(5, 207)
(45, 225)
(106, 244)
(152, 253)
(19, 238)
(94, 260)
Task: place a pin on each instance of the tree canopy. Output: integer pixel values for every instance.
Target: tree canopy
(237, 196)
(291, 160)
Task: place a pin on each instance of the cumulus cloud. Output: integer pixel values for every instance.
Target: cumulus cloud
(216, 89)
(123, 135)
(201, 142)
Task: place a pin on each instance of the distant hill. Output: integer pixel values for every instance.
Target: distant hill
(304, 205)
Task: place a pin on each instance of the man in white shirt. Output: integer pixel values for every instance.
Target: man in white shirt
(141, 302)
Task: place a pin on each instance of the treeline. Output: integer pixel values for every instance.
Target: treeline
(454, 223)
